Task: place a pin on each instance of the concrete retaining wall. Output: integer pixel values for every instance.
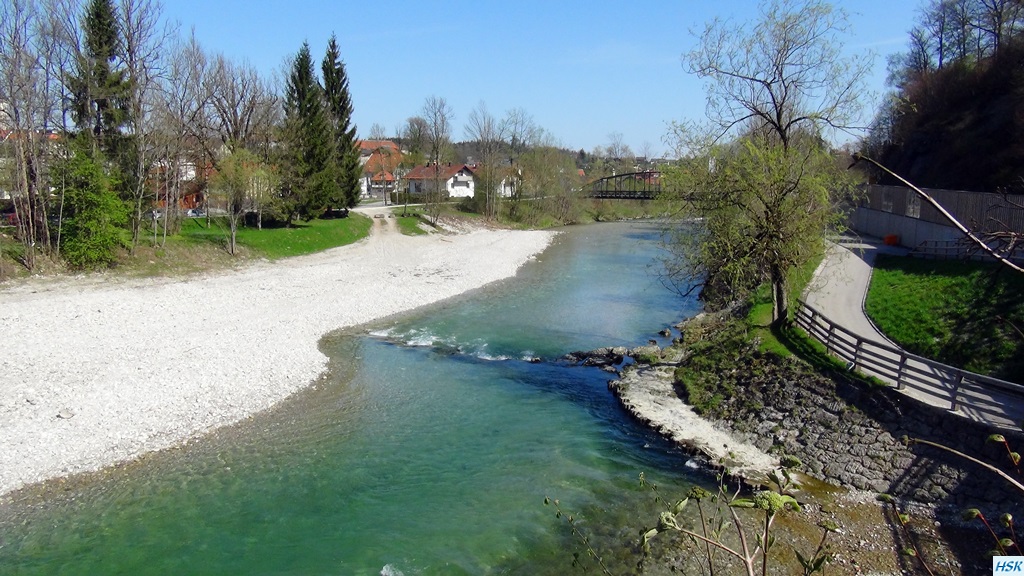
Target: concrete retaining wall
(911, 231)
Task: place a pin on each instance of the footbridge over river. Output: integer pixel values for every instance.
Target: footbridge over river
(644, 185)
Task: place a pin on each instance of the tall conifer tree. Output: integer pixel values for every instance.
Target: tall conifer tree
(339, 108)
(310, 181)
(100, 90)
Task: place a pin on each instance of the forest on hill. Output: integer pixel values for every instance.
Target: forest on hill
(955, 112)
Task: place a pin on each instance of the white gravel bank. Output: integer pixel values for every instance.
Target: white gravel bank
(95, 372)
(648, 394)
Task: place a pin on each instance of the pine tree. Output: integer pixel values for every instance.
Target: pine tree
(93, 214)
(339, 108)
(310, 181)
(100, 91)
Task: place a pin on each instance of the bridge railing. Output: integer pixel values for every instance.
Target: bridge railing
(976, 396)
(632, 185)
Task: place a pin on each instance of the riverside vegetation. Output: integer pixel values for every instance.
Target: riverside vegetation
(779, 391)
(200, 244)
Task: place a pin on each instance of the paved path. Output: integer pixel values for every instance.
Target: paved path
(841, 282)
(838, 291)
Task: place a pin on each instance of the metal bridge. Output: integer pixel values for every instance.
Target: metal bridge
(644, 185)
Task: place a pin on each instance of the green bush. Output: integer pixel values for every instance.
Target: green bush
(92, 227)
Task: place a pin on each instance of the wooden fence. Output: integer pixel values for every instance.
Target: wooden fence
(975, 396)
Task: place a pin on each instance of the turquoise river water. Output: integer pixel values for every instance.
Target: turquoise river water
(428, 448)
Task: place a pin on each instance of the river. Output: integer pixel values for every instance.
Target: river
(427, 448)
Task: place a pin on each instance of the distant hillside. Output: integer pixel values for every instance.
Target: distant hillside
(962, 126)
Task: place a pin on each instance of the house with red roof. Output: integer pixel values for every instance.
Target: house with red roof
(454, 180)
(380, 160)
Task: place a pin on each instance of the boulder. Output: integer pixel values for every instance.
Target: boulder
(600, 357)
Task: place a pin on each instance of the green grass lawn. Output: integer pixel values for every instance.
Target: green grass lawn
(274, 243)
(410, 226)
(759, 318)
(968, 314)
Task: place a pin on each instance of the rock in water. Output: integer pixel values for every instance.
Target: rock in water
(389, 570)
(599, 357)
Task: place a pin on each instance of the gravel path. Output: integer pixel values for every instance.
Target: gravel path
(99, 370)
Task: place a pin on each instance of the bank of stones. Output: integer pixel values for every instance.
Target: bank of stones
(851, 433)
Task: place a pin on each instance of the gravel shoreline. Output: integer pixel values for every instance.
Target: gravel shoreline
(96, 371)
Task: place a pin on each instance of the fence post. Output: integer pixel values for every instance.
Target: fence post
(899, 371)
(955, 404)
(856, 353)
(828, 340)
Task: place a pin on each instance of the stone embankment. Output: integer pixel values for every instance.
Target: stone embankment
(647, 391)
(843, 430)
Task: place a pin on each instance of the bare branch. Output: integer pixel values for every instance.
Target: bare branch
(949, 217)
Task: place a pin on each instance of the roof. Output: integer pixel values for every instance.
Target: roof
(368, 146)
(382, 159)
(51, 135)
(431, 171)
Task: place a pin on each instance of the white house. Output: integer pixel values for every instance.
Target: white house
(457, 180)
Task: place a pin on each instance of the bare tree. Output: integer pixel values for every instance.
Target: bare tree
(520, 130)
(997, 20)
(388, 162)
(413, 135)
(183, 122)
(617, 147)
(647, 151)
(61, 42)
(961, 15)
(936, 19)
(24, 108)
(521, 133)
(145, 39)
(619, 154)
(241, 101)
(919, 60)
(438, 115)
(489, 135)
(766, 75)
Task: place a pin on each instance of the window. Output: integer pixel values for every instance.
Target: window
(913, 205)
(887, 200)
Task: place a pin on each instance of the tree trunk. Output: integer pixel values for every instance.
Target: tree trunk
(780, 296)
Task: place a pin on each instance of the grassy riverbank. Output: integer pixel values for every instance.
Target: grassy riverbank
(280, 242)
(198, 248)
(968, 314)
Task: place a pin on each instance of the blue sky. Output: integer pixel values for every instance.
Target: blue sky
(583, 70)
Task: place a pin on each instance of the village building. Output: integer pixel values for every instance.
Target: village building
(453, 180)
(380, 160)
